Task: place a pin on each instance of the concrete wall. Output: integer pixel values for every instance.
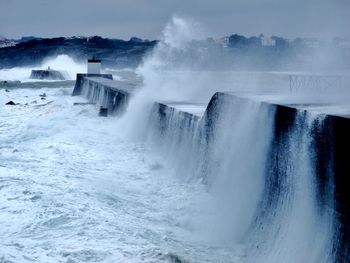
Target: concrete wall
(190, 138)
(94, 68)
(194, 139)
(104, 95)
(80, 79)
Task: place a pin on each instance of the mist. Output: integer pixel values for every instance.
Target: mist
(186, 67)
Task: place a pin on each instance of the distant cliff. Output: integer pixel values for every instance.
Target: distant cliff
(233, 52)
(113, 52)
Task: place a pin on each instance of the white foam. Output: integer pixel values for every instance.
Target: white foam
(73, 190)
(61, 62)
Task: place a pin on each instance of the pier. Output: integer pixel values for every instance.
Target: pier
(191, 126)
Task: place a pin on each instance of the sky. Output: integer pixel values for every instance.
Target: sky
(147, 18)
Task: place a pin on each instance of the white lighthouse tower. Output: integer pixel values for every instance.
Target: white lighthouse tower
(94, 66)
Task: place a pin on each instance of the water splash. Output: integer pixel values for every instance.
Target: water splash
(292, 227)
(264, 177)
(61, 62)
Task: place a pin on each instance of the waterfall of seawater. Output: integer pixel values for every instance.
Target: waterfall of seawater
(262, 173)
(291, 227)
(259, 161)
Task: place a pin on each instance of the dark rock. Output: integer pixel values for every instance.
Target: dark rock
(10, 103)
(35, 197)
(103, 112)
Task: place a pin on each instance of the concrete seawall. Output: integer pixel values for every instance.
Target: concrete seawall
(110, 95)
(189, 131)
(331, 157)
(79, 83)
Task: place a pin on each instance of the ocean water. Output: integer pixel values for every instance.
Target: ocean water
(73, 189)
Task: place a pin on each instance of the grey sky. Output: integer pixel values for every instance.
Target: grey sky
(147, 18)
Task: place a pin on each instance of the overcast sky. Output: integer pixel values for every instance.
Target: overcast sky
(147, 18)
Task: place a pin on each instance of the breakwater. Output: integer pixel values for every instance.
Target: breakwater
(109, 95)
(49, 75)
(281, 169)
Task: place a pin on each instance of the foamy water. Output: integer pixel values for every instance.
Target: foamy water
(73, 190)
(61, 62)
(78, 188)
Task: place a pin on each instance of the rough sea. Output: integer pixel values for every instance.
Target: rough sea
(72, 189)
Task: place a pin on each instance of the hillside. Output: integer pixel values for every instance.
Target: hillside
(113, 52)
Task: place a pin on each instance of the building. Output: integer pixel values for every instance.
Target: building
(94, 66)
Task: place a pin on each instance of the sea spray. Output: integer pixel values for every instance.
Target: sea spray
(290, 227)
(239, 133)
(258, 166)
(175, 136)
(227, 150)
(65, 63)
(262, 175)
(166, 76)
(76, 191)
(60, 62)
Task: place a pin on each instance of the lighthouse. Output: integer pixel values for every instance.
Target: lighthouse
(94, 66)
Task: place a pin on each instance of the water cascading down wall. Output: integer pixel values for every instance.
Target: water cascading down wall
(282, 171)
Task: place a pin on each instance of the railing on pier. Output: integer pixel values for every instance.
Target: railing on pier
(314, 83)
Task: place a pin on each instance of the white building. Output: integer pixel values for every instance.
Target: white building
(94, 66)
(267, 41)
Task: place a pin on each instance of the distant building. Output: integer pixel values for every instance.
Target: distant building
(223, 41)
(312, 42)
(341, 42)
(267, 41)
(94, 66)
